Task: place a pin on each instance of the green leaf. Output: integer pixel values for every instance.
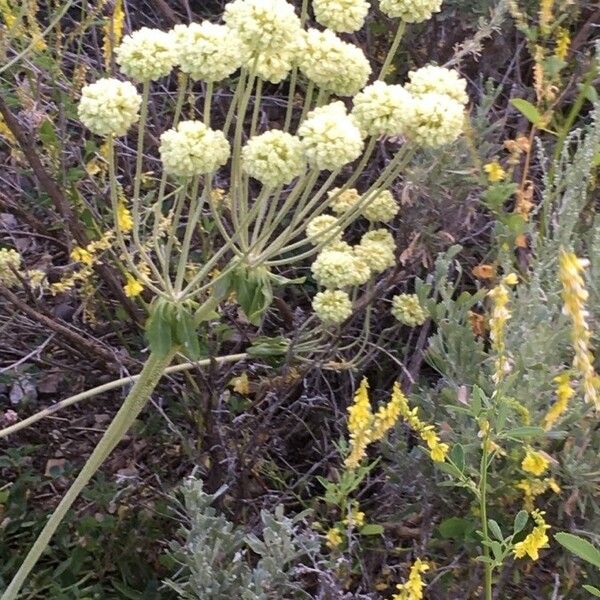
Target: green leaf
(371, 529)
(159, 328)
(520, 521)
(449, 468)
(528, 110)
(186, 334)
(455, 528)
(519, 433)
(580, 547)
(495, 529)
(265, 346)
(457, 456)
(592, 590)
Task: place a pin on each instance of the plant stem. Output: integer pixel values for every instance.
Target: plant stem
(483, 473)
(393, 49)
(131, 408)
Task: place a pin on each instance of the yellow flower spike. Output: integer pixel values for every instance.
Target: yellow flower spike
(564, 393)
(387, 415)
(536, 540)
(563, 43)
(132, 287)
(333, 538)
(413, 588)
(535, 462)
(497, 323)
(79, 254)
(360, 419)
(124, 219)
(494, 172)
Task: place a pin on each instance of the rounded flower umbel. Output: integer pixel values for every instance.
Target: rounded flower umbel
(333, 64)
(378, 255)
(146, 54)
(206, 51)
(382, 208)
(343, 201)
(330, 137)
(382, 109)
(109, 106)
(335, 269)
(332, 306)
(438, 80)
(323, 229)
(408, 310)
(193, 149)
(411, 11)
(345, 16)
(436, 120)
(274, 158)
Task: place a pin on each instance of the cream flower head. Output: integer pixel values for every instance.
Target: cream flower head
(272, 66)
(332, 306)
(335, 269)
(193, 149)
(333, 64)
(10, 261)
(344, 16)
(438, 80)
(436, 120)
(342, 202)
(382, 109)
(274, 158)
(382, 236)
(378, 255)
(383, 208)
(264, 25)
(330, 137)
(411, 11)
(109, 106)
(146, 55)
(206, 51)
(324, 228)
(408, 310)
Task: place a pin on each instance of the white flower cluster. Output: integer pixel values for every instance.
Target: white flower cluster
(109, 106)
(338, 269)
(274, 158)
(382, 109)
(408, 310)
(343, 201)
(324, 228)
(344, 16)
(146, 54)
(411, 11)
(332, 306)
(382, 208)
(333, 64)
(193, 149)
(432, 79)
(377, 253)
(206, 51)
(330, 137)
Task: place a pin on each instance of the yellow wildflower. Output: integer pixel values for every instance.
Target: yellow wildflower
(563, 42)
(333, 538)
(532, 488)
(494, 171)
(564, 393)
(388, 414)
(413, 588)
(536, 540)
(355, 518)
(535, 463)
(574, 297)
(124, 219)
(133, 287)
(241, 384)
(360, 419)
(82, 255)
(500, 315)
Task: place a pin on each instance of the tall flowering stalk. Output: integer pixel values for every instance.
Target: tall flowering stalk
(575, 295)
(291, 191)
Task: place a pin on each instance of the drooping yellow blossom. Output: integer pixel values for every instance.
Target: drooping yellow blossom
(82, 255)
(564, 393)
(563, 43)
(124, 219)
(413, 588)
(532, 488)
(574, 296)
(333, 538)
(494, 171)
(500, 315)
(535, 462)
(536, 540)
(360, 419)
(133, 287)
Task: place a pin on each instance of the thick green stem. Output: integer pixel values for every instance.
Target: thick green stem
(393, 49)
(131, 408)
(483, 474)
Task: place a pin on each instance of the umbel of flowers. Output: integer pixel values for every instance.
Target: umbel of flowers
(291, 192)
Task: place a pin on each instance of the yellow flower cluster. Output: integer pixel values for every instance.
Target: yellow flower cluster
(535, 462)
(407, 309)
(564, 393)
(494, 171)
(574, 296)
(413, 588)
(133, 287)
(498, 319)
(536, 540)
(332, 306)
(366, 427)
(532, 488)
(323, 229)
(10, 261)
(338, 269)
(378, 255)
(333, 538)
(345, 16)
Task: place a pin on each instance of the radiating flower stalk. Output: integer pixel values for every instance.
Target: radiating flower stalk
(291, 192)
